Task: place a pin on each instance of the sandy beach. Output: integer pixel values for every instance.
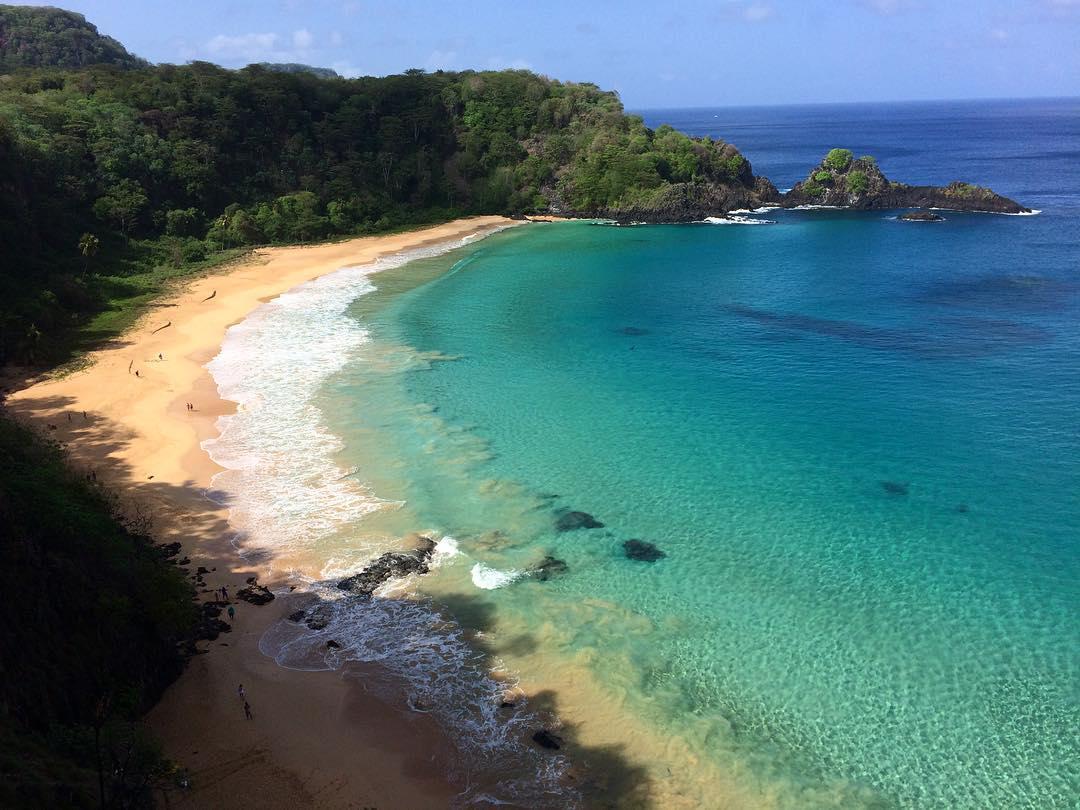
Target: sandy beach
(318, 739)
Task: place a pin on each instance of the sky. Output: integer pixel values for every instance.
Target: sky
(689, 53)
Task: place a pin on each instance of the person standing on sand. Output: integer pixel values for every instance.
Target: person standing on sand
(247, 711)
(224, 594)
(241, 693)
(232, 613)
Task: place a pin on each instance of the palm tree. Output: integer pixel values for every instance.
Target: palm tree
(88, 247)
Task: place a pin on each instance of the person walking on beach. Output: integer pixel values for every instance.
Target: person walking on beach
(247, 711)
(224, 594)
(241, 693)
(232, 613)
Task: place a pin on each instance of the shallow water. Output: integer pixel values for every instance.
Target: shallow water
(855, 439)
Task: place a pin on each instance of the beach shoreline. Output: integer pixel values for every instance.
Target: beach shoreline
(318, 739)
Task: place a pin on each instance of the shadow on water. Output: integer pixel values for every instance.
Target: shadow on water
(1007, 293)
(95, 445)
(604, 774)
(951, 338)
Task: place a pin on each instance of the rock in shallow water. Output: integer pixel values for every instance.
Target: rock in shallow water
(569, 521)
(391, 565)
(642, 551)
(921, 216)
(546, 739)
(547, 568)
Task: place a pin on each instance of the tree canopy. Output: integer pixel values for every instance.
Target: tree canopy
(42, 36)
(165, 165)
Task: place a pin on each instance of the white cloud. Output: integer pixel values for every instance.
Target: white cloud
(442, 60)
(757, 12)
(232, 49)
(242, 46)
(302, 39)
(885, 7)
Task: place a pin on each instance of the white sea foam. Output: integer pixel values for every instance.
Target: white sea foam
(281, 483)
(1031, 213)
(490, 579)
(285, 492)
(762, 210)
(737, 220)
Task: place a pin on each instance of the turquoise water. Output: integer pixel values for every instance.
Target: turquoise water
(923, 645)
(855, 439)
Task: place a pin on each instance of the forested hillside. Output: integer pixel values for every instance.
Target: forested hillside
(95, 627)
(42, 36)
(108, 174)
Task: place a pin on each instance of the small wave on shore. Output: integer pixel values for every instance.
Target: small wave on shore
(734, 219)
(490, 579)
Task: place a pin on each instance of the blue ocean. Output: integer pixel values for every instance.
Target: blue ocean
(854, 440)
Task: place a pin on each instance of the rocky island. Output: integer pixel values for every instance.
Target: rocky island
(844, 181)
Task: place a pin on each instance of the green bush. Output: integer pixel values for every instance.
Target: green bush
(856, 182)
(838, 159)
(814, 189)
(823, 176)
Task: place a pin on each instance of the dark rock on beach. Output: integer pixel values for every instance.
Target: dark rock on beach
(895, 487)
(255, 594)
(170, 549)
(318, 618)
(333, 645)
(921, 216)
(843, 181)
(547, 739)
(210, 626)
(642, 551)
(391, 565)
(296, 616)
(548, 568)
(569, 521)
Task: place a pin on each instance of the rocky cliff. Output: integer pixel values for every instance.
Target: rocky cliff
(693, 202)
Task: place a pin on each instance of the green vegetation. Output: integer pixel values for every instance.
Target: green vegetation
(823, 176)
(95, 622)
(115, 179)
(813, 188)
(967, 191)
(870, 159)
(838, 159)
(32, 36)
(856, 182)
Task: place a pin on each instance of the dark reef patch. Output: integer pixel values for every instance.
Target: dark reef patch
(569, 521)
(642, 551)
(895, 487)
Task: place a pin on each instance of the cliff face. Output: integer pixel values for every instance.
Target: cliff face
(844, 181)
(693, 202)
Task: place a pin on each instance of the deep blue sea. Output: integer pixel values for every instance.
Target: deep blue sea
(856, 440)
